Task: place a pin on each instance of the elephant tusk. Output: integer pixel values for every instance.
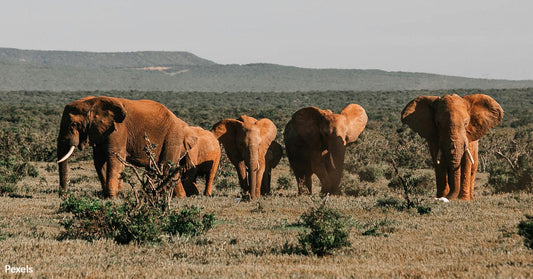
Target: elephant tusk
(68, 154)
(331, 160)
(439, 155)
(470, 156)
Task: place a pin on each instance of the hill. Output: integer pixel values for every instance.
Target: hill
(185, 72)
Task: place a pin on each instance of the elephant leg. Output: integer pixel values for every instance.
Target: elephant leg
(441, 172)
(191, 187)
(242, 175)
(265, 184)
(441, 175)
(324, 178)
(260, 173)
(179, 190)
(100, 164)
(114, 170)
(303, 181)
(474, 150)
(210, 177)
(466, 172)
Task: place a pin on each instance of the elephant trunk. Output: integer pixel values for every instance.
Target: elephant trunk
(335, 166)
(253, 169)
(62, 151)
(66, 143)
(456, 154)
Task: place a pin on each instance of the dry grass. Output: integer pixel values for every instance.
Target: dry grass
(459, 239)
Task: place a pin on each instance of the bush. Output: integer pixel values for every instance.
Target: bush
(421, 185)
(370, 173)
(329, 230)
(511, 167)
(189, 222)
(129, 222)
(351, 186)
(284, 182)
(141, 218)
(525, 229)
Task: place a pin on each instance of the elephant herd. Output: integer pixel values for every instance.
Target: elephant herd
(315, 142)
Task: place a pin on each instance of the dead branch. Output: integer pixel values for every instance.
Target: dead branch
(134, 171)
(513, 166)
(410, 204)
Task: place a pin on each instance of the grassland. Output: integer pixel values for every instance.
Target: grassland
(250, 239)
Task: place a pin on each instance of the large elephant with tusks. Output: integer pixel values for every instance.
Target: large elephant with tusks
(121, 126)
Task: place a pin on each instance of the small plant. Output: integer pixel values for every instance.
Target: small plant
(351, 186)
(389, 202)
(189, 221)
(258, 209)
(370, 173)
(284, 182)
(328, 230)
(525, 229)
(382, 228)
(226, 184)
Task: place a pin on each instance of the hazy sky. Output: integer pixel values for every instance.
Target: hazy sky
(475, 38)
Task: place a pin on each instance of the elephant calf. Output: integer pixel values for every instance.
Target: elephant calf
(250, 146)
(201, 160)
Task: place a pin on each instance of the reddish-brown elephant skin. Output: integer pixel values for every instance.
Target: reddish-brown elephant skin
(316, 142)
(250, 146)
(201, 161)
(114, 125)
(452, 126)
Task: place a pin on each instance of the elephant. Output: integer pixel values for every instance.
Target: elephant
(201, 160)
(316, 142)
(113, 125)
(452, 126)
(250, 146)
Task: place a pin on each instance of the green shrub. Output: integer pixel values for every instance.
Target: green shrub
(141, 218)
(226, 184)
(189, 221)
(421, 185)
(370, 173)
(285, 182)
(525, 229)
(380, 228)
(389, 202)
(328, 231)
(129, 222)
(351, 186)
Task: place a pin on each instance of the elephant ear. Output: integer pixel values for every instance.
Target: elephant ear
(226, 131)
(485, 114)
(356, 120)
(104, 113)
(114, 107)
(268, 131)
(189, 141)
(419, 116)
(307, 123)
(274, 154)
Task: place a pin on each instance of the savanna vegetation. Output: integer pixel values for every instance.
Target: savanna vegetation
(185, 72)
(386, 223)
